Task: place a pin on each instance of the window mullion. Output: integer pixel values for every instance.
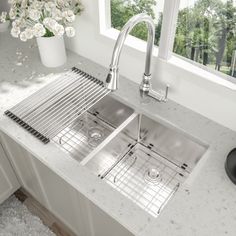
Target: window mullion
(104, 14)
(169, 23)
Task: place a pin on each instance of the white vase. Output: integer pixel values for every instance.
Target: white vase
(4, 26)
(52, 51)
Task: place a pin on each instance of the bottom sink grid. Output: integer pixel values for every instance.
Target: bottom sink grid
(145, 177)
(84, 135)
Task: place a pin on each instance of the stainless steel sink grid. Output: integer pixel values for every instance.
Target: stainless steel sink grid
(85, 134)
(54, 107)
(147, 162)
(146, 178)
(92, 128)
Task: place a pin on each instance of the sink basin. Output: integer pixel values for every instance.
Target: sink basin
(147, 162)
(92, 128)
(142, 159)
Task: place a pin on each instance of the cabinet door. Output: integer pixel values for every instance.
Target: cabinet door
(48, 188)
(65, 202)
(104, 225)
(24, 168)
(8, 181)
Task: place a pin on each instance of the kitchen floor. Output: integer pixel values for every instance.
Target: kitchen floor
(16, 217)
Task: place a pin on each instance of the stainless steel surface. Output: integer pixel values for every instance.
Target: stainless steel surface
(159, 96)
(172, 144)
(92, 128)
(56, 106)
(113, 75)
(112, 79)
(147, 162)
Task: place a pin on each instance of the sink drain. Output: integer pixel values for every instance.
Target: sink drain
(95, 136)
(152, 176)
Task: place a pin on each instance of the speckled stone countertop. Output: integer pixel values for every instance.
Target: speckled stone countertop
(204, 205)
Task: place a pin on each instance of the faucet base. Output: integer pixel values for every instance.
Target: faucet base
(145, 85)
(146, 88)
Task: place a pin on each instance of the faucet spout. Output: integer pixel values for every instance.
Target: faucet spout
(113, 75)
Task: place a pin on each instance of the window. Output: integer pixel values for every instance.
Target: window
(206, 33)
(123, 10)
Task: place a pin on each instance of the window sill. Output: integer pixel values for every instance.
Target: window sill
(203, 73)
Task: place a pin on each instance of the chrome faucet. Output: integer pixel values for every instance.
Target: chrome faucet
(113, 75)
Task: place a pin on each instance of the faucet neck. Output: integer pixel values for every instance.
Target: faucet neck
(113, 73)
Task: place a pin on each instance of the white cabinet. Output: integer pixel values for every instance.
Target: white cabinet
(24, 168)
(8, 181)
(104, 225)
(65, 202)
(53, 192)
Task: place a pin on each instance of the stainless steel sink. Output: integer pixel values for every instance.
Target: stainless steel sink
(147, 162)
(91, 129)
(141, 158)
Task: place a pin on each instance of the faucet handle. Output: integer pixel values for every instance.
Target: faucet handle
(160, 95)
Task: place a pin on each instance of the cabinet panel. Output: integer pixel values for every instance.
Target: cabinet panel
(51, 190)
(65, 202)
(25, 169)
(105, 225)
(8, 181)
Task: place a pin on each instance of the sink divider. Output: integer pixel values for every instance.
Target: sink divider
(108, 139)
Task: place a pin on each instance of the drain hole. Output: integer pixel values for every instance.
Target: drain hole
(95, 135)
(152, 176)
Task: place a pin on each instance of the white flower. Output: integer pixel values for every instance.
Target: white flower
(34, 14)
(3, 17)
(18, 23)
(39, 30)
(49, 6)
(70, 31)
(24, 3)
(29, 33)
(15, 31)
(61, 3)
(37, 5)
(49, 23)
(34, 18)
(23, 36)
(56, 14)
(12, 13)
(58, 30)
(69, 15)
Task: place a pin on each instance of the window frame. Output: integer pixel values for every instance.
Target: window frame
(165, 49)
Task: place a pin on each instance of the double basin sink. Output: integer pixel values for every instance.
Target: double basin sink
(144, 160)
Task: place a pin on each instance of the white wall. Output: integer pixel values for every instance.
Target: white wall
(210, 99)
(4, 6)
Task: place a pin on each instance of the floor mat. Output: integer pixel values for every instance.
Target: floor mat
(16, 220)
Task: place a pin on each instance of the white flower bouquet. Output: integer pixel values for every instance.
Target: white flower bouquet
(43, 18)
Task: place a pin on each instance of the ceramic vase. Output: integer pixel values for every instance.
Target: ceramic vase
(52, 51)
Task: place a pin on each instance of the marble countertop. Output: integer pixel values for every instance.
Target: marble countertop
(204, 205)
